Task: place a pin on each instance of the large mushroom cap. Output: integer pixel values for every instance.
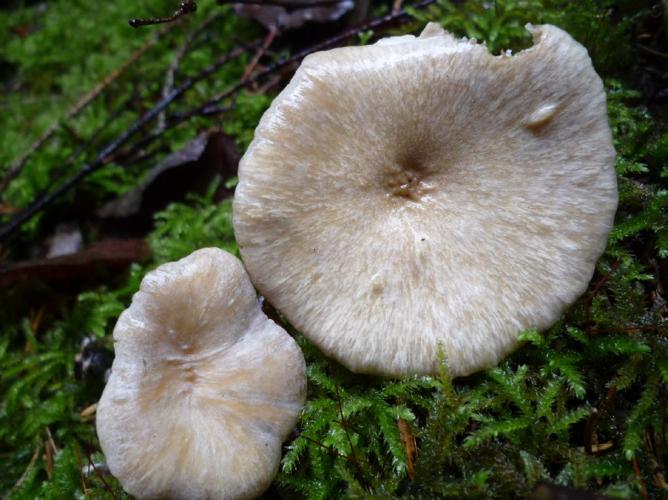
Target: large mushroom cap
(204, 387)
(422, 192)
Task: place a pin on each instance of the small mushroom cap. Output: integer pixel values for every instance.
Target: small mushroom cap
(421, 193)
(204, 387)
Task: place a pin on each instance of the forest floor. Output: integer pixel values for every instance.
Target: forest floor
(118, 152)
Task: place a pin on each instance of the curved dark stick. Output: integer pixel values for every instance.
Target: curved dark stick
(186, 7)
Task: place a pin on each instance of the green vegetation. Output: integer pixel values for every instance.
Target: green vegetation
(582, 405)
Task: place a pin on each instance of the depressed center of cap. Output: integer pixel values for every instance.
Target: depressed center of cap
(421, 194)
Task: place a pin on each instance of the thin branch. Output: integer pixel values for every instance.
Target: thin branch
(273, 32)
(74, 156)
(186, 7)
(652, 51)
(176, 62)
(84, 487)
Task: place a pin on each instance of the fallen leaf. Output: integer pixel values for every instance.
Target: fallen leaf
(286, 18)
(410, 445)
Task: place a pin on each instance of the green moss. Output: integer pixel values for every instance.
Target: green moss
(581, 405)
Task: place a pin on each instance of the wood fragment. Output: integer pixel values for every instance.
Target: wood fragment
(50, 452)
(410, 445)
(88, 412)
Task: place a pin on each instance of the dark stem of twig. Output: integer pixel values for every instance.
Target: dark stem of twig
(186, 7)
(273, 32)
(31, 464)
(176, 61)
(107, 154)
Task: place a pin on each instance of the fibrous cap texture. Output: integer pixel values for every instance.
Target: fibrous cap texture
(422, 195)
(204, 387)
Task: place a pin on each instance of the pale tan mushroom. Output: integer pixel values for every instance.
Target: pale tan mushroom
(204, 387)
(421, 192)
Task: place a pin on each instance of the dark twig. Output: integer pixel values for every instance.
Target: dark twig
(652, 51)
(260, 52)
(174, 65)
(589, 431)
(107, 154)
(186, 7)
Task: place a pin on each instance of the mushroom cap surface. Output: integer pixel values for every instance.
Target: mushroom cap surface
(422, 194)
(204, 387)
